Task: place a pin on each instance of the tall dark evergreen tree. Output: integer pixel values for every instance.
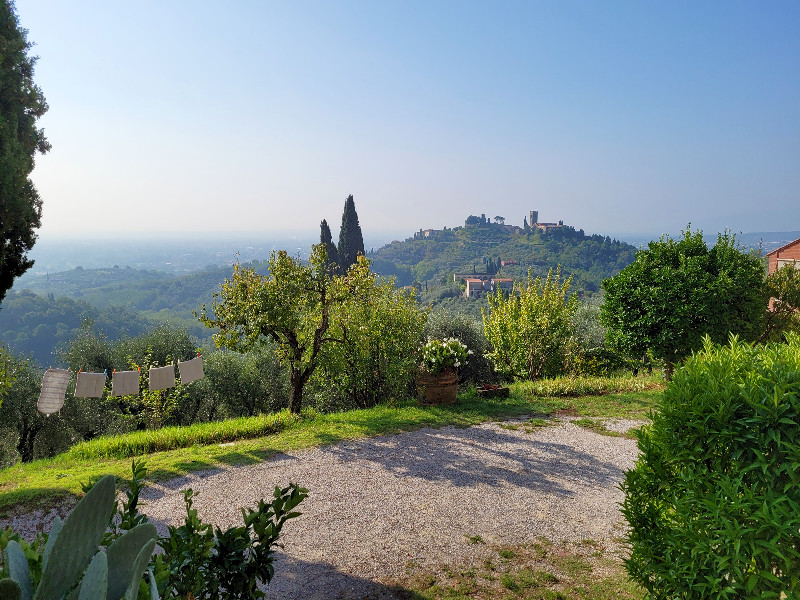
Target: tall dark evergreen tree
(21, 103)
(326, 239)
(351, 242)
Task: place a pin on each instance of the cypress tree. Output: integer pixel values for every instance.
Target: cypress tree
(326, 239)
(351, 242)
(21, 104)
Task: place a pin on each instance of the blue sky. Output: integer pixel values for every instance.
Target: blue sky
(617, 117)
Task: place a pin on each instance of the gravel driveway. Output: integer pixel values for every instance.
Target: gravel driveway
(381, 507)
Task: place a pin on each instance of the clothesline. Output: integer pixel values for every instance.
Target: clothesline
(123, 383)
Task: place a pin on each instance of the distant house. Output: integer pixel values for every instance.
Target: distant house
(475, 287)
(426, 233)
(503, 283)
(507, 263)
(785, 255)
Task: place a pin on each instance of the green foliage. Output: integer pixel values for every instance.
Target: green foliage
(713, 502)
(6, 373)
(21, 104)
(530, 330)
(20, 423)
(236, 385)
(203, 562)
(678, 291)
(586, 385)
(373, 335)
(351, 241)
(161, 345)
(783, 287)
(40, 325)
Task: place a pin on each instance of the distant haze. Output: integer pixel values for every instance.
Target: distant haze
(185, 252)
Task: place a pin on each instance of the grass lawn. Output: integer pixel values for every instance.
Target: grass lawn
(175, 451)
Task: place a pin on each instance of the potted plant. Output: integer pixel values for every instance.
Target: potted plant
(438, 378)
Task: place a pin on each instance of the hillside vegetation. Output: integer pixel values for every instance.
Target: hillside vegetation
(39, 325)
(433, 260)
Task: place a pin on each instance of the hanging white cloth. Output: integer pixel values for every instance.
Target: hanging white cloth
(90, 385)
(162, 378)
(191, 370)
(125, 383)
(54, 388)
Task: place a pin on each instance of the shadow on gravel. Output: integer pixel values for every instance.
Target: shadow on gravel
(297, 579)
(459, 456)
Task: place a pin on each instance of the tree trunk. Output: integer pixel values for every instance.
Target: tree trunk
(669, 369)
(27, 435)
(297, 381)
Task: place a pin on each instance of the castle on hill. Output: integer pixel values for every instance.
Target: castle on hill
(530, 222)
(533, 223)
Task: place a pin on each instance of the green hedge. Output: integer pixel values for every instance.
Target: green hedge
(714, 500)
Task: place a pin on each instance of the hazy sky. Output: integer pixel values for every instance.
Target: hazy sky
(249, 115)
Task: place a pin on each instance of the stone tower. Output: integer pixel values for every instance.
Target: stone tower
(534, 217)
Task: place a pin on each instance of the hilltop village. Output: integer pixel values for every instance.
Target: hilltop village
(476, 284)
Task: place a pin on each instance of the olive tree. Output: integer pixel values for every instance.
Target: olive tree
(291, 306)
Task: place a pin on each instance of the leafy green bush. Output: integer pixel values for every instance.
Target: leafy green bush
(531, 329)
(714, 501)
(201, 561)
(600, 362)
(373, 334)
(236, 385)
(198, 561)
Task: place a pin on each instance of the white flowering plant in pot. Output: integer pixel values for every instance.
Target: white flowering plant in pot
(438, 355)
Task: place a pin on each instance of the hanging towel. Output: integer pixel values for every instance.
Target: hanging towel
(125, 383)
(191, 370)
(54, 387)
(90, 385)
(162, 378)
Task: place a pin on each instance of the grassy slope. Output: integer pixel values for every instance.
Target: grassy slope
(43, 482)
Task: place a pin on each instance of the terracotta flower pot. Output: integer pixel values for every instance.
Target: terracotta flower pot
(441, 388)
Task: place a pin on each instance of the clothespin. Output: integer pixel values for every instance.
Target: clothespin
(114, 371)
(79, 371)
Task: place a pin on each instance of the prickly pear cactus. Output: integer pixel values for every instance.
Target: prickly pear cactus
(71, 547)
(77, 541)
